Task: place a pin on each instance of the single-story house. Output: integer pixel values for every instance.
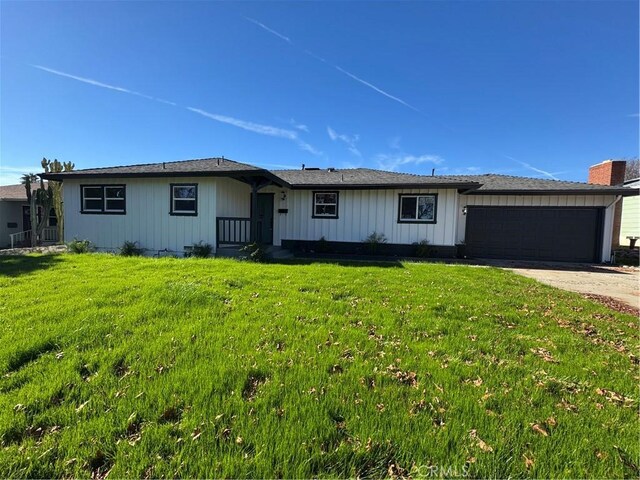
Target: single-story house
(630, 218)
(14, 216)
(172, 205)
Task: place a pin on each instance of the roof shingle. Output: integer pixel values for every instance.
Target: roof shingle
(507, 184)
(366, 177)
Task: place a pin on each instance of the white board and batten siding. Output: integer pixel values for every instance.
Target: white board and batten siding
(630, 220)
(361, 212)
(147, 219)
(606, 201)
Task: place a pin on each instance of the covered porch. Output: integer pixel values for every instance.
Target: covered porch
(258, 225)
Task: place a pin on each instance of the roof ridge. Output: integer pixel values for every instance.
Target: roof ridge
(160, 163)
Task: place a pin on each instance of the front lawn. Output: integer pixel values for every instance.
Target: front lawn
(151, 368)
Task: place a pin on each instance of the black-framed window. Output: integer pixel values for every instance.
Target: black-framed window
(325, 205)
(417, 208)
(53, 219)
(106, 199)
(184, 199)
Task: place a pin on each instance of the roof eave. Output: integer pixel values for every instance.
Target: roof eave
(61, 177)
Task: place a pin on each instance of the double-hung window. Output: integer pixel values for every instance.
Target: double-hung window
(109, 199)
(184, 199)
(418, 208)
(325, 205)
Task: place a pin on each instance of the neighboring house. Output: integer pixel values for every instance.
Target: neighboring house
(630, 220)
(173, 205)
(14, 215)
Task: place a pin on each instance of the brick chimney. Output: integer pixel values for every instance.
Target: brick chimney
(610, 172)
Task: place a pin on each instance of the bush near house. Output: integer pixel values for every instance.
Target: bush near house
(142, 367)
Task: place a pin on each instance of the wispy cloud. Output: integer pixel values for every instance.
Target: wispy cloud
(349, 140)
(258, 128)
(338, 68)
(377, 89)
(534, 169)
(299, 126)
(96, 83)
(393, 161)
(243, 124)
(271, 31)
(394, 143)
(636, 115)
(11, 175)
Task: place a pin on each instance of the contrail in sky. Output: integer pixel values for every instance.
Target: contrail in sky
(340, 69)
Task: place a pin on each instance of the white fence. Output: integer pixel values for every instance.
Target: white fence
(48, 235)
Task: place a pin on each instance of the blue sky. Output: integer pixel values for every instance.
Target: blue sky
(540, 89)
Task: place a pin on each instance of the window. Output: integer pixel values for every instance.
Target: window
(417, 208)
(184, 199)
(325, 205)
(109, 199)
(53, 219)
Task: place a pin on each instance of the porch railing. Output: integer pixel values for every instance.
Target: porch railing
(22, 239)
(233, 231)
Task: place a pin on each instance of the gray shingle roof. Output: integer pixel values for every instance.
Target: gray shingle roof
(366, 178)
(208, 166)
(355, 178)
(495, 184)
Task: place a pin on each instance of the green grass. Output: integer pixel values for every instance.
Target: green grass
(218, 368)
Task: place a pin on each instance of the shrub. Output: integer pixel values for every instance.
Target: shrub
(201, 250)
(373, 242)
(255, 252)
(423, 249)
(80, 246)
(130, 249)
(322, 246)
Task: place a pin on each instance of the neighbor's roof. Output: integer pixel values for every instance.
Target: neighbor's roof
(506, 184)
(16, 192)
(361, 178)
(183, 168)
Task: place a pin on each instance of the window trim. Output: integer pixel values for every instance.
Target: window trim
(182, 213)
(313, 205)
(415, 220)
(103, 210)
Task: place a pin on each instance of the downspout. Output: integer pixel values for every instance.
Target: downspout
(612, 204)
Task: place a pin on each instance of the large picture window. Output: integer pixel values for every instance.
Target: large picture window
(109, 199)
(417, 208)
(325, 205)
(184, 199)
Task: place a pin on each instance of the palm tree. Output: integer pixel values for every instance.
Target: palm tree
(27, 179)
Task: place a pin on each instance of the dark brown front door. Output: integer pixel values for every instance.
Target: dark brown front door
(265, 219)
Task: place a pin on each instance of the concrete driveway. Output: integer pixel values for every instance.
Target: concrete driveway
(620, 283)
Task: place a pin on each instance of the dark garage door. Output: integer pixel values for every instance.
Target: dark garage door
(534, 233)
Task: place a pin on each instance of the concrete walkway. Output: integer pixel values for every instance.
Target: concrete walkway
(620, 283)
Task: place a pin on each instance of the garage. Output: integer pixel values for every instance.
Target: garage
(565, 234)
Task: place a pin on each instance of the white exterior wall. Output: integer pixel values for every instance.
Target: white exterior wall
(233, 198)
(360, 213)
(147, 218)
(543, 201)
(10, 212)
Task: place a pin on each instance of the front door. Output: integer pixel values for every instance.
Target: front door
(265, 219)
(26, 218)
